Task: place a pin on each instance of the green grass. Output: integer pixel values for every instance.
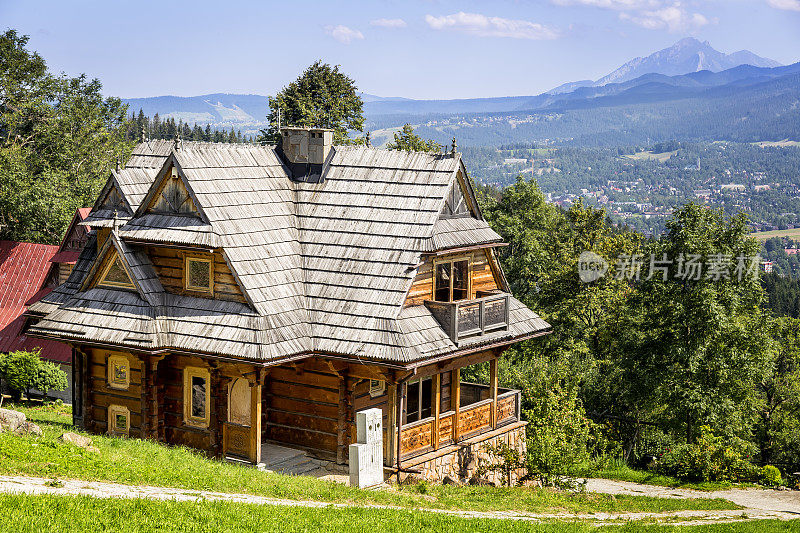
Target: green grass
(764, 235)
(57, 514)
(133, 461)
(619, 471)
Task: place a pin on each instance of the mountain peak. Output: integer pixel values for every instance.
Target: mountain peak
(685, 56)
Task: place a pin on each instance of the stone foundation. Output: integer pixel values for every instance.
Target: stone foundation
(461, 462)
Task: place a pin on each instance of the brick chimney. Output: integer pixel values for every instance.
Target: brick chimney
(305, 150)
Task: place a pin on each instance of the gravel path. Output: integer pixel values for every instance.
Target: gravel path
(758, 505)
(787, 502)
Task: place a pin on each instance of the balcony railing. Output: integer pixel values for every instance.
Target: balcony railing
(429, 434)
(463, 319)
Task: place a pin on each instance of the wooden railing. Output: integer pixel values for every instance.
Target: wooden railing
(425, 435)
(469, 318)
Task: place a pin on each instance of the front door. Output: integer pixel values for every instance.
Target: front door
(242, 436)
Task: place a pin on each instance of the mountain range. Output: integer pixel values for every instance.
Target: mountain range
(689, 71)
(685, 56)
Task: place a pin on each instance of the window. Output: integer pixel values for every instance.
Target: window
(418, 398)
(118, 372)
(198, 274)
(451, 280)
(196, 397)
(377, 388)
(114, 275)
(119, 418)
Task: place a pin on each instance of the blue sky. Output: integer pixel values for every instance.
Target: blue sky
(417, 49)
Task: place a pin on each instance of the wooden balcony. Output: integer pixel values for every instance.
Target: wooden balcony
(464, 319)
(466, 421)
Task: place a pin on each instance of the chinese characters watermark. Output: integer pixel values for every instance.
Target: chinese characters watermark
(688, 267)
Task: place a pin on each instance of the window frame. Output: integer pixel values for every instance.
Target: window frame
(200, 259)
(377, 387)
(102, 282)
(113, 411)
(189, 419)
(451, 260)
(419, 400)
(110, 381)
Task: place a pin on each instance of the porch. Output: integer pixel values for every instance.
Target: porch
(480, 409)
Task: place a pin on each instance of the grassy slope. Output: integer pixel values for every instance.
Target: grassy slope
(149, 463)
(55, 514)
(762, 236)
(620, 471)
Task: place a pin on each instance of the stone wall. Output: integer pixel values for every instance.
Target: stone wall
(462, 464)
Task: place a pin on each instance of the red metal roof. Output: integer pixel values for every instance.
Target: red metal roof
(23, 268)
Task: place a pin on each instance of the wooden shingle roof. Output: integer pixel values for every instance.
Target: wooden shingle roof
(325, 267)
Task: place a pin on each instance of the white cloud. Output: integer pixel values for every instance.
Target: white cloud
(613, 4)
(673, 18)
(483, 26)
(389, 23)
(343, 34)
(790, 5)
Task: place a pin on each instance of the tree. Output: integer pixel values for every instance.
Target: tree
(23, 371)
(322, 97)
(58, 136)
(50, 377)
(409, 141)
(704, 342)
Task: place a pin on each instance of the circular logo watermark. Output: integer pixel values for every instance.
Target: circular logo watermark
(591, 267)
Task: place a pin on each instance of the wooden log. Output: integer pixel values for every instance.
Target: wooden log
(391, 427)
(437, 405)
(255, 422)
(493, 391)
(455, 400)
(341, 421)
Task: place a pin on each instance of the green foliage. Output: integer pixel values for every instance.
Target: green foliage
(708, 459)
(23, 371)
(322, 97)
(409, 141)
(508, 460)
(771, 476)
(49, 377)
(558, 435)
(58, 136)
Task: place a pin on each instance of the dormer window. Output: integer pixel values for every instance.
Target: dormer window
(199, 274)
(115, 276)
(451, 281)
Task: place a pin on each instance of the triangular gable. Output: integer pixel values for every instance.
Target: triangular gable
(460, 200)
(76, 236)
(110, 270)
(114, 274)
(171, 193)
(112, 198)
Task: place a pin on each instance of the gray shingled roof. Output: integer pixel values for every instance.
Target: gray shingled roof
(324, 266)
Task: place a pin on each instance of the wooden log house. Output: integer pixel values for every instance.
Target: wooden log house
(231, 295)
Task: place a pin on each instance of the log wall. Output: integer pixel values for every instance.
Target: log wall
(168, 264)
(302, 407)
(100, 395)
(483, 278)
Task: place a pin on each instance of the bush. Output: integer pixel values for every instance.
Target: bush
(771, 476)
(709, 459)
(508, 460)
(559, 435)
(23, 371)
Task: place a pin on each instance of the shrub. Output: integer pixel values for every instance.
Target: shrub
(23, 371)
(507, 461)
(709, 459)
(771, 476)
(559, 435)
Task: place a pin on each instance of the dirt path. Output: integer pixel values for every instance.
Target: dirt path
(787, 502)
(95, 489)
